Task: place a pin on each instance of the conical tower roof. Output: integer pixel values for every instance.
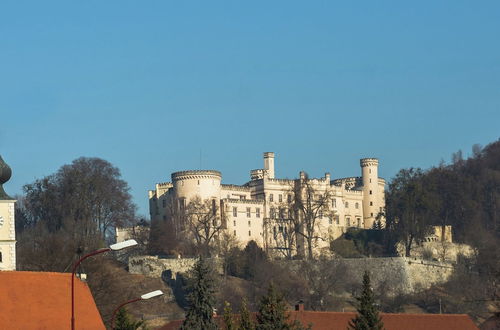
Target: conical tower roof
(5, 173)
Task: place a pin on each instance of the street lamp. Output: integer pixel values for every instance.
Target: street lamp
(145, 296)
(114, 247)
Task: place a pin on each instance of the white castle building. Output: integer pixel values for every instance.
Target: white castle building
(7, 223)
(258, 210)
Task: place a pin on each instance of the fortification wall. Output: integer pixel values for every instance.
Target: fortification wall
(400, 274)
(166, 268)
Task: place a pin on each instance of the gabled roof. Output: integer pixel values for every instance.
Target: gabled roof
(340, 320)
(42, 300)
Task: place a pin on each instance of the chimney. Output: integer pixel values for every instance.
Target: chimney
(269, 164)
(299, 307)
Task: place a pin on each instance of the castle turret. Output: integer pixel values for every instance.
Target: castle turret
(369, 174)
(269, 164)
(202, 183)
(7, 222)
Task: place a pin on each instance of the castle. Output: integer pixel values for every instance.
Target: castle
(7, 223)
(265, 209)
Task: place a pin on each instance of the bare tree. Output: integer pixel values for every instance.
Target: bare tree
(204, 224)
(309, 205)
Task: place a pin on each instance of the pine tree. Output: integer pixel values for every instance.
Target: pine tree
(124, 321)
(200, 298)
(246, 322)
(368, 317)
(228, 317)
(272, 311)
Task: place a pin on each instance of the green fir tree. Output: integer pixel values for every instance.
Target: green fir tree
(228, 317)
(246, 322)
(124, 321)
(368, 317)
(200, 298)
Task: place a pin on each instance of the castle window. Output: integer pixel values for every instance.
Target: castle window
(214, 207)
(371, 203)
(334, 202)
(280, 198)
(346, 205)
(348, 221)
(235, 233)
(234, 223)
(249, 233)
(280, 229)
(370, 180)
(337, 220)
(370, 170)
(248, 212)
(243, 197)
(359, 221)
(1, 257)
(330, 221)
(164, 203)
(290, 213)
(372, 214)
(271, 197)
(370, 192)
(257, 212)
(249, 223)
(320, 214)
(272, 213)
(235, 211)
(356, 205)
(289, 198)
(282, 213)
(198, 182)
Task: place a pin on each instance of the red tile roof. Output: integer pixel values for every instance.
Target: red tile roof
(339, 320)
(42, 300)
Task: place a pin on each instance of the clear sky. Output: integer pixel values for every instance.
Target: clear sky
(152, 85)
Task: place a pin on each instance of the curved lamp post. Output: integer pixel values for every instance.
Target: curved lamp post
(145, 296)
(113, 247)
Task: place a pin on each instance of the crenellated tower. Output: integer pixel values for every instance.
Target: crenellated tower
(369, 175)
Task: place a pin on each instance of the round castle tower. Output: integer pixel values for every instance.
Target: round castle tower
(202, 183)
(369, 174)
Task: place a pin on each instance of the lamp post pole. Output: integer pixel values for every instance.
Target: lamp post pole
(143, 297)
(117, 246)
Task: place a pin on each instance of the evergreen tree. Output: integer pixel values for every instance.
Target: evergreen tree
(228, 317)
(246, 322)
(272, 312)
(124, 321)
(368, 317)
(200, 298)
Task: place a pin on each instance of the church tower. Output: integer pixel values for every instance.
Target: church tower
(7, 223)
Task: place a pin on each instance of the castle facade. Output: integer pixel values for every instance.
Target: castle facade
(270, 211)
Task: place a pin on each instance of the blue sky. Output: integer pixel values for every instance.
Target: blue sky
(151, 85)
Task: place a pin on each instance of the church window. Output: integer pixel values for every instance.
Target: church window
(271, 197)
(248, 212)
(257, 212)
(235, 211)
